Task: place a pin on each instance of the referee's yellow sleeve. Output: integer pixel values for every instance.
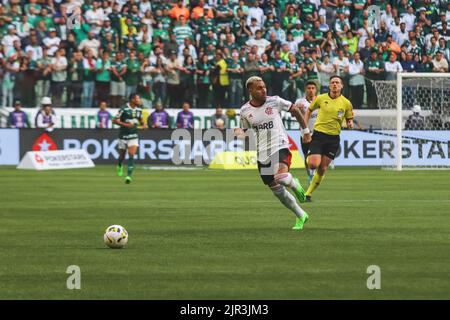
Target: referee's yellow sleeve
(349, 111)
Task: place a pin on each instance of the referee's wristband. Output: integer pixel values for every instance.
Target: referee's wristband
(305, 131)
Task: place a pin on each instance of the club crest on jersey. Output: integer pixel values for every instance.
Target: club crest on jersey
(340, 113)
(269, 111)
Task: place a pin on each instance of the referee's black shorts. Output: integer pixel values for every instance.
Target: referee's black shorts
(267, 169)
(324, 144)
(305, 148)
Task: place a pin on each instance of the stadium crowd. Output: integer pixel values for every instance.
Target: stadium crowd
(200, 52)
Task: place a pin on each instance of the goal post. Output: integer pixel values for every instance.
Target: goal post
(415, 110)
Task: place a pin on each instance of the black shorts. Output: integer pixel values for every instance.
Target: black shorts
(305, 149)
(324, 144)
(281, 156)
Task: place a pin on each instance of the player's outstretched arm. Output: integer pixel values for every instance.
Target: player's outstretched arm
(306, 133)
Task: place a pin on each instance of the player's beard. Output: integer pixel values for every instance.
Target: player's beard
(262, 98)
(258, 100)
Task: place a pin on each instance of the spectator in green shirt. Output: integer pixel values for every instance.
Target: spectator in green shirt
(374, 71)
(223, 14)
(75, 76)
(44, 16)
(133, 74)
(118, 87)
(145, 47)
(203, 81)
(242, 6)
(295, 73)
(103, 77)
(308, 8)
(266, 70)
(235, 73)
(187, 78)
(159, 31)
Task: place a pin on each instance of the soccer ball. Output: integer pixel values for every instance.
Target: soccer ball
(115, 237)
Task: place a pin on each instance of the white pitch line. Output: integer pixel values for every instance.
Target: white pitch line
(172, 168)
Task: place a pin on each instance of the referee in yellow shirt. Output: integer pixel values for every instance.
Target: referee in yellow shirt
(333, 108)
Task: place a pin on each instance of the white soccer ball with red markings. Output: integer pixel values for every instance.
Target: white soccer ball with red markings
(115, 237)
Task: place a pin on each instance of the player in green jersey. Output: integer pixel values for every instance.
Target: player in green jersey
(128, 118)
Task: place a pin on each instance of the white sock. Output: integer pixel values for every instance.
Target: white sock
(288, 200)
(285, 179)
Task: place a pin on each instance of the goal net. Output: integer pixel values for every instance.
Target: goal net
(414, 121)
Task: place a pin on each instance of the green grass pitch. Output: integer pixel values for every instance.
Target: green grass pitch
(209, 234)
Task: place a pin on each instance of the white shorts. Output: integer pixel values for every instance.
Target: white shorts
(125, 144)
(118, 88)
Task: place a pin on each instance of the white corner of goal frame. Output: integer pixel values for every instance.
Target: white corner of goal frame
(55, 160)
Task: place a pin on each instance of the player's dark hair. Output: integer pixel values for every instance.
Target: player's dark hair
(336, 76)
(132, 96)
(310, 82)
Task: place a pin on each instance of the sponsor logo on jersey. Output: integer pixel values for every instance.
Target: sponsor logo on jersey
(264, 126)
